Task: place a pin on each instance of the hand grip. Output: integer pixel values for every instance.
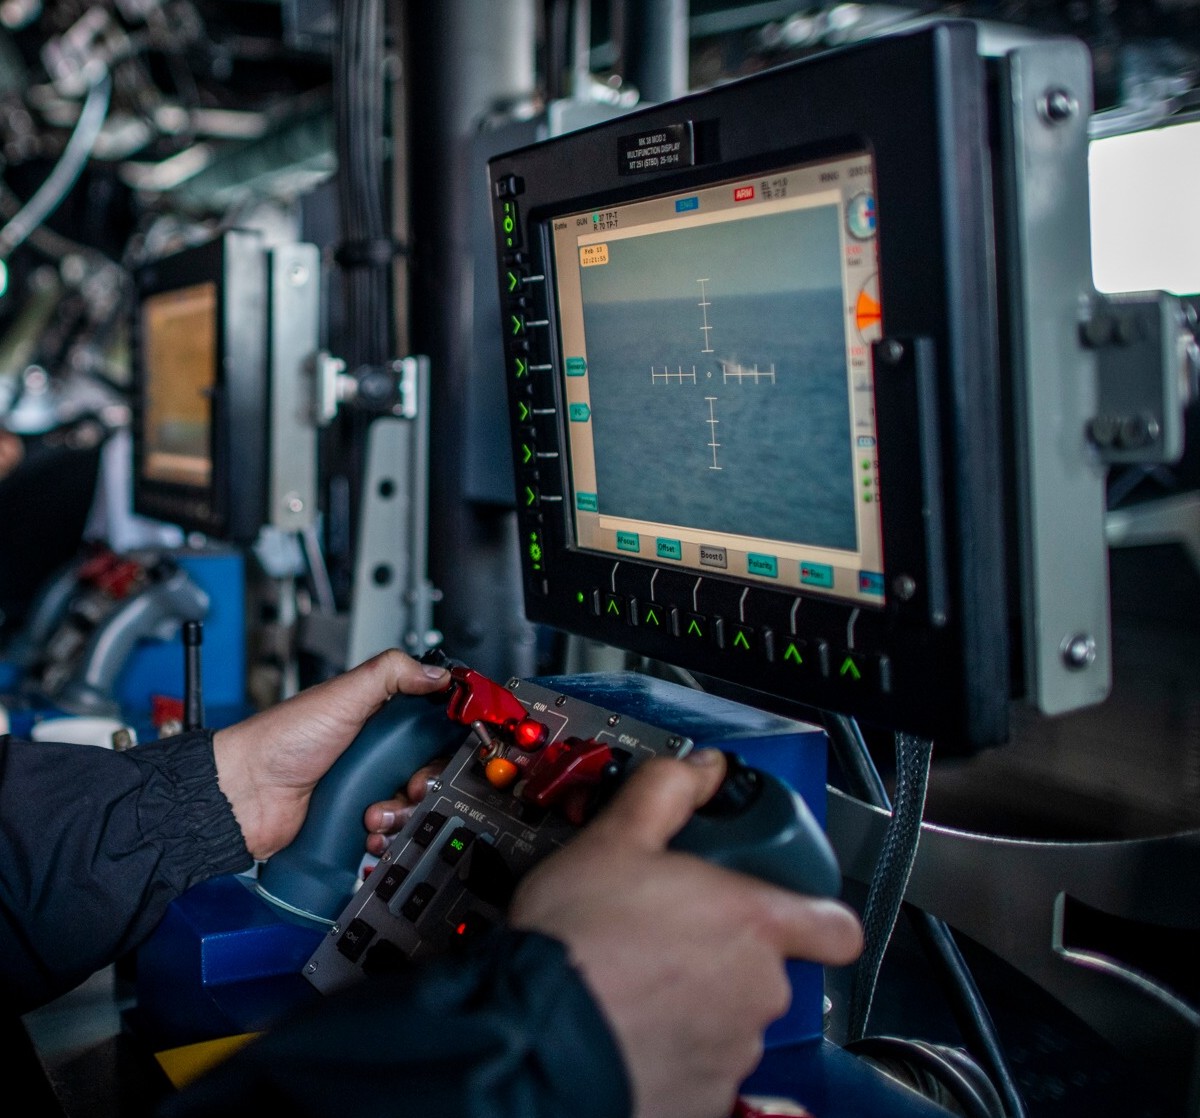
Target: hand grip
(770, 834)
(315, 876)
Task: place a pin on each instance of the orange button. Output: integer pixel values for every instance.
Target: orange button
(500, 772)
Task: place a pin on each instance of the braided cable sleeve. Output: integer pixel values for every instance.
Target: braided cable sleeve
(886, 891)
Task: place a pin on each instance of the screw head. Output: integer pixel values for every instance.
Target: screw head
(1078, 651)
(891, 351)
(904, 587)
(1057, 106)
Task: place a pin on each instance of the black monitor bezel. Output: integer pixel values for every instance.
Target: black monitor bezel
(232, 506)
(917, 103)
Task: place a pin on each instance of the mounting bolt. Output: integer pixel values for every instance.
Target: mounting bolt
(613, 719)
(891, 351)
(561, 701)
(1057, 106)
(673, 744)
(1078, 651)
(904, 586)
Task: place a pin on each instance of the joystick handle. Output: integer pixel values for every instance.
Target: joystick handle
(756, 824)
(314, 877)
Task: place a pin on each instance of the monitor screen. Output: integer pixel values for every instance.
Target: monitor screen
(200, 387)
(717, 378)
(179, 358)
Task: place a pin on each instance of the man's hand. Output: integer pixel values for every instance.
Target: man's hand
(268, 765)
(385, 818)
(12, 451)
(685, 958)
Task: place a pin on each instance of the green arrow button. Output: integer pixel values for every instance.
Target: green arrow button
(793, 654)
(850, 668)
(513, 280)
(523, 411)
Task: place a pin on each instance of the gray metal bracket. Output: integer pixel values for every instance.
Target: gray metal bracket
(1010, 896)
(393, 597)
(1146, 354)
(1044, 105)
(295, 318)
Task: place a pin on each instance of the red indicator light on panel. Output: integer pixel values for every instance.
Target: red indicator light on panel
(743, 193)
(530, 734)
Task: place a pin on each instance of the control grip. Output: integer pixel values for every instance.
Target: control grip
(168, 602)
(315, 876)
(774, 837)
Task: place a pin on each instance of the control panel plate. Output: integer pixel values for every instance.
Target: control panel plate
(449, 874)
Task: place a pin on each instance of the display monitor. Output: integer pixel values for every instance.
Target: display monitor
(179, 353)
(719, 388)
(796, 386)
(200, 387)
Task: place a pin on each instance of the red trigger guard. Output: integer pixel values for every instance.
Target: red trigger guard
(475, 698)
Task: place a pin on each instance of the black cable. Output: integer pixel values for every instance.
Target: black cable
(366, 335)
(892, 871)
(967, 1006)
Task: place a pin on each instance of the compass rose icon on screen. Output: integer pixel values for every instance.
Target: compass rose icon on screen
(860, 216)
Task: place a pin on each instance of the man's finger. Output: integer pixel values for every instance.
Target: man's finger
(406, 676)
(659, 798)
(824, 931)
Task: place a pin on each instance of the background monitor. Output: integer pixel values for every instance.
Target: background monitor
(201, 387)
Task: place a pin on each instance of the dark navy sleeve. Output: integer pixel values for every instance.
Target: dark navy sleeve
(507, 1031)
(94, 845)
